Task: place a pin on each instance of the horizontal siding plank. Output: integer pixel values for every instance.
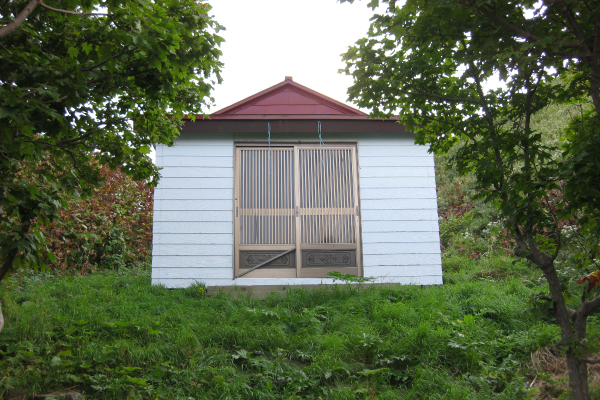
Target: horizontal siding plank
(376, 172)
(182, 283)
(400, 237)
(399, 204)
(193, 227)
(192, 273)
(192, 261)
(197, 194)
(401, 248)
(398, 193)
(196, 172)
(183, 205)
(396, 226)
(388, 161)
(428, 280)
(215, 162)
(387, 139)
(223, 273)
(199, 150)
(399, 215)
(194, 238)
(385, 149)
(398, 182)
(408, 270)
(193, 216)
(194, 250)
(205, 139)
(374, 260)
(195, 183)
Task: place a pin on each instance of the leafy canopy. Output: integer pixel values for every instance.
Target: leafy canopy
(72, 82)
(432, 63)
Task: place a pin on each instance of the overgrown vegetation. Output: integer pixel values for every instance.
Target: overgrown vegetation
(434, 65)
(110, 229)
(73, 77)
(113, 335)
(485, 334)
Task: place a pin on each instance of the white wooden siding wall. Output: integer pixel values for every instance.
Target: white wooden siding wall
(193, 210)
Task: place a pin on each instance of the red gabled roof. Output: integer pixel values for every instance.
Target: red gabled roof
(288, 100)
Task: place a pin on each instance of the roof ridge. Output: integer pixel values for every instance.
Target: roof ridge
(322, 105)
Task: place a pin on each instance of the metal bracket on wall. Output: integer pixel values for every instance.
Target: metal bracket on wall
(265, 262)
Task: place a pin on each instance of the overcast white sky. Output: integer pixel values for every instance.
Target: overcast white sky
(267, 40)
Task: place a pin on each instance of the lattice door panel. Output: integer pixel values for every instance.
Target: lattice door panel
(266, 202)
(296, 211)
(327, 206)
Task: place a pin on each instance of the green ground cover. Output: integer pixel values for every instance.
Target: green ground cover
(112, 335)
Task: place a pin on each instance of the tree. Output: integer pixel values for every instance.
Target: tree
(432, 63)
(73, 77)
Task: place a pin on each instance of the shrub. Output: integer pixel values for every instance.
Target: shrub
(110, 229)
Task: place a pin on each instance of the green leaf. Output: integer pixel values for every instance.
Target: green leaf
(87, 47)
(137, 381)
(65, 353)
(73, 52)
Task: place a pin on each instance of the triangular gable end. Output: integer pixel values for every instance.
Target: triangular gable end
(288, 100)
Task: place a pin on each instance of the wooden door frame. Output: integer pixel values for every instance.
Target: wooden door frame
(298, 272)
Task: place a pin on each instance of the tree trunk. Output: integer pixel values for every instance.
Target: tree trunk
(8, 262)
(572, 332)
(27, 216)
(578, 377)
(1, 318)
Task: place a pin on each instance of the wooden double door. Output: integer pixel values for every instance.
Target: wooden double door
(296, 211)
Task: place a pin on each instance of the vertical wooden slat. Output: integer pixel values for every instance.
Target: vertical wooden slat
(287, 200)
(295, 203)
(236, 203)
(338, 210)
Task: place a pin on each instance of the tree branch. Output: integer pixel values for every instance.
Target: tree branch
(77, 139)
(441, 97)
(14, 24)
(523, 33)
(55, 145)
(440, 121)
(589, 307)
(591, 361)
(575, 28)
(34, 91)
(55, 101)
(119, 54)
(59, 10)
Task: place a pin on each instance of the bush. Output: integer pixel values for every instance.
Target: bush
(110, 229)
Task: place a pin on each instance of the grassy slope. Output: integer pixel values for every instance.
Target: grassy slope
(114, 335)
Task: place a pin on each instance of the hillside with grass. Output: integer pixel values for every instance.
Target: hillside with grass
(101, 329)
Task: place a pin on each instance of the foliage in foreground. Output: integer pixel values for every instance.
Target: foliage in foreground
(73, 77)
(113, 336)
(432, 63)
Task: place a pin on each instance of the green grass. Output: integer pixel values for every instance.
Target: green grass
(114, 336)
